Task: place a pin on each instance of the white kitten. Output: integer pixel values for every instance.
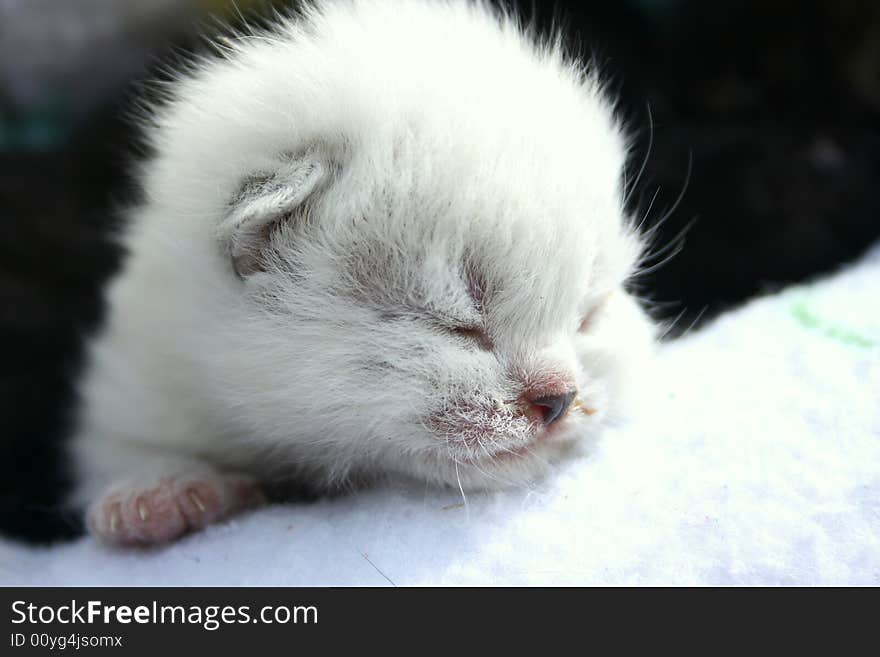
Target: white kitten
(387, 238)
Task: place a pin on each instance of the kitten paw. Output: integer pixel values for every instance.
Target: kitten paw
(168, 507)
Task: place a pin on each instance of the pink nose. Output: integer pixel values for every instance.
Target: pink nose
(553, 407)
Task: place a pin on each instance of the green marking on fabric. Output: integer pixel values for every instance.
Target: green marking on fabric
(801, 312)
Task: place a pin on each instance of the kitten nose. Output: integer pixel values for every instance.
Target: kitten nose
(554, 406)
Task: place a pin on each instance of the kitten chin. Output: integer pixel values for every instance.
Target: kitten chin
(363, 253)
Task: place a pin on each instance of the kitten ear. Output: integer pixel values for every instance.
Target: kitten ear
(265, 200)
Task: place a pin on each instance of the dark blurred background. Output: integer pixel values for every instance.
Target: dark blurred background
(775, 104)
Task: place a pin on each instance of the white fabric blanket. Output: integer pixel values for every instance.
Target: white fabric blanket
(757, 461)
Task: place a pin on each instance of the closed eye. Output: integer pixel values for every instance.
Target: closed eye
(589, 319)
(472, 334)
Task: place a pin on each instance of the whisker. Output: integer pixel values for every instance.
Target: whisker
(461, 488)
(695, 321)
(651, 232)
(670, 325)
(638, 177)
(647, 234)
(675, 244)
(684, 188)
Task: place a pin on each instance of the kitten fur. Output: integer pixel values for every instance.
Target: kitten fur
(371, 237)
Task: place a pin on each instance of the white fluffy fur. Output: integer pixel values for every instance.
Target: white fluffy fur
(366, 165)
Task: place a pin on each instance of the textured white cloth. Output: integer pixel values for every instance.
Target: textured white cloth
(756, 461)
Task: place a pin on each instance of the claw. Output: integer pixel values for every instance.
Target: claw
(114, 519)
(196, 500)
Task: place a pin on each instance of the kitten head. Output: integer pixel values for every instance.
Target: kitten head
(417, 214)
